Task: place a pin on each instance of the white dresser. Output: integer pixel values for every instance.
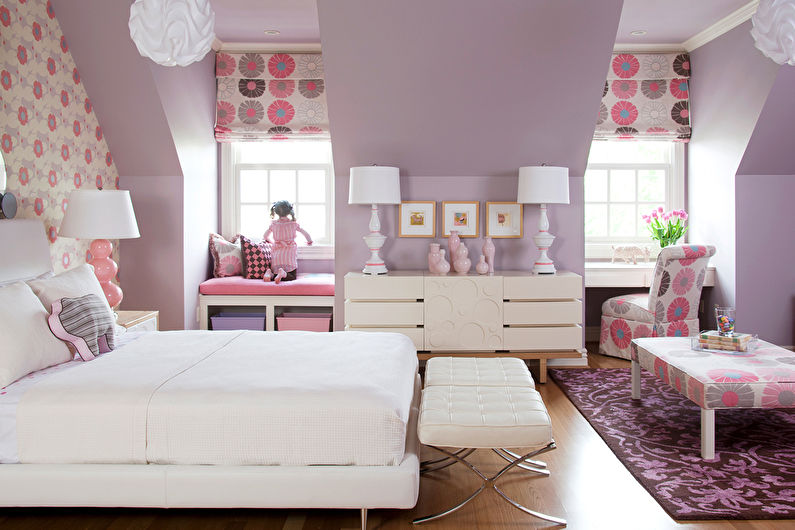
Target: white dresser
(511, 313)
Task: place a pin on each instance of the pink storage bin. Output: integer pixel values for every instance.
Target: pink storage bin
(304, 322)
(231, 321)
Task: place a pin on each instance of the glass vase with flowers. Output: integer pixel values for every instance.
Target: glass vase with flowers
(666, 227)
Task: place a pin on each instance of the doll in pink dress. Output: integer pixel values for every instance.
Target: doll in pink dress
(284, 252)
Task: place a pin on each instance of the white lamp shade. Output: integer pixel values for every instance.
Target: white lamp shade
(99, 214)
(543, 185)
(374, 185)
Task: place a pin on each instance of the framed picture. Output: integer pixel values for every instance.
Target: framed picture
(504, 219)
(461, 216)
(417, 219)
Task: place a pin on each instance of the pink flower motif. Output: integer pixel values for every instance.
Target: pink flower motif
(604, 334)
(624, 88)
(224, 65)
(624, 113)
(281, 65)
(280, 112)
(730, 375)
(641, 331)
(778, 373)
(684, 281)
(692, 252)
(625, 65)
(621, 333)
(679, 88)
(677, 329)
(310, 129)
(695, 391)
(657, 130)
(678, 309)
(281, 88)
(224, 113)
(231, 266)
(778, 395)
(661, 369)
(38, 206)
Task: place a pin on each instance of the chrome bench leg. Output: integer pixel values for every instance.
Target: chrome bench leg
(519, 461)
(428, 465)
(535, 466)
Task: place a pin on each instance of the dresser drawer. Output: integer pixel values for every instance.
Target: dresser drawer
(417, 335)
(369, 287)
(543, 338)
(539, 313)
(542, 287)
(383, 313)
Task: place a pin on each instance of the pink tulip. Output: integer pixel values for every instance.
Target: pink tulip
(684, 215)
(660, 209)
(666, 216)
(654, 214)
(646, 218)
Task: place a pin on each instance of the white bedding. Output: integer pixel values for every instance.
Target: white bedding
(227, 398)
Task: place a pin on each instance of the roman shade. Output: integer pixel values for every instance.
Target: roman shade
(270, 96)
(646, 97)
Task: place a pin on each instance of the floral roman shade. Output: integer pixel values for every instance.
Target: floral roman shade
(646, 96)
(270, 96)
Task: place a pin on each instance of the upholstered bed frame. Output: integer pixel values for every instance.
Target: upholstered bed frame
(25, 251)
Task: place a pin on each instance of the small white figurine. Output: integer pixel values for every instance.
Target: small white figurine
(630, 253)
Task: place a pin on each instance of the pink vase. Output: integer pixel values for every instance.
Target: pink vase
(482, 267)
(434, 257)
(462, 263)
(488, 252)
(444, 266)
(452, 243)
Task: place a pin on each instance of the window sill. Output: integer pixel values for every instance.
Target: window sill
(316, 252)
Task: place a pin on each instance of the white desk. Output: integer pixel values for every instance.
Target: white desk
(606, 274)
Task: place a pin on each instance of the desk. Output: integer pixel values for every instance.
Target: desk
(606, 274)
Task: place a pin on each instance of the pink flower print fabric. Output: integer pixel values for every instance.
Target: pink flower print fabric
(227, 256)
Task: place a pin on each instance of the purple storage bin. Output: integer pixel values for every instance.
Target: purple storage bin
(230, 321)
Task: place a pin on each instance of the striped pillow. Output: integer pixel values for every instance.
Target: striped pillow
(85, 323)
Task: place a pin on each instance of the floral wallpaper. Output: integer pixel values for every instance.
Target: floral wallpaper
(646, 96)
(50, 138)
(276, 96)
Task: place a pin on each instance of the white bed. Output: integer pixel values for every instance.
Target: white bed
(250, 414)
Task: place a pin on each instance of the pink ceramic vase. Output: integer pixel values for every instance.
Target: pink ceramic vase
(434, 257)
(488, 252)
(462, 263)
(444, 266)
(453, 243)
(482, 267)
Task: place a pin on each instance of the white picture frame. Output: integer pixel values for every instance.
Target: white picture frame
(504, 220)
(462, 216)
(417, 219)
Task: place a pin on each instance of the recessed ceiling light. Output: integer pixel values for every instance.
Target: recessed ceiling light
(272, 32)
(638, 32)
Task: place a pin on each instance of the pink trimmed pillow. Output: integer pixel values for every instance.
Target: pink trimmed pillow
(84, 323)
(227, 256)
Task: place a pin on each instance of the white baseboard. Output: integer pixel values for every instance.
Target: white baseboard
(582, 362)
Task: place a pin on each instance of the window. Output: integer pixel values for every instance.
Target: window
(624, 180)
(256, 174)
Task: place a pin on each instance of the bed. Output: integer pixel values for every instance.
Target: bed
(211, 419)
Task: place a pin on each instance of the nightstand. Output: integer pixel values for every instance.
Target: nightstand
(138, 320)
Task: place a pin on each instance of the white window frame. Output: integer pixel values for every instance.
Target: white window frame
(230, 199)
(601, 248)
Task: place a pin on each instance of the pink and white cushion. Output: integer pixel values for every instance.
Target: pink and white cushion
(227, 256)
(669, 309)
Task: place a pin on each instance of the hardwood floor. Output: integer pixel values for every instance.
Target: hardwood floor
(589, 487)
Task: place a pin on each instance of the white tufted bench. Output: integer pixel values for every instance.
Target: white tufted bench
(483, 403)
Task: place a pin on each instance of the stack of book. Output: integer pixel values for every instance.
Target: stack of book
(712, 340)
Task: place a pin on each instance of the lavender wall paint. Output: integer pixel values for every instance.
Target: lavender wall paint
(191, 117)
(459, 95)
(765, 186)
(731, 80)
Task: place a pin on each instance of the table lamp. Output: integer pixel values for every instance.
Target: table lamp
(101, 215)
(374, 185)
(543, 185)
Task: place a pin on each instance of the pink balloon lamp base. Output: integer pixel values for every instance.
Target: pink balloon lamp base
(105, 269)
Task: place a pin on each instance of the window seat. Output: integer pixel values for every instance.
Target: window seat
(308, 290)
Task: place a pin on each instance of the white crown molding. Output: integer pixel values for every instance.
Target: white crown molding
(266, 47)
(717, 29)
(722, 26)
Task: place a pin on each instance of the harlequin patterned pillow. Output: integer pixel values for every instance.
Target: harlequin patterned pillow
(256, 258)
(85, 323)
(227, 256)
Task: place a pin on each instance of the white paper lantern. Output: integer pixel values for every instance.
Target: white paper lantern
(774, 30)
(172, 32)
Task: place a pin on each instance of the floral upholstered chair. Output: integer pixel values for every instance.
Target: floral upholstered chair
(669, 309)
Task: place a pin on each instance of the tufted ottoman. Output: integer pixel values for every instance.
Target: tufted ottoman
(477, 403)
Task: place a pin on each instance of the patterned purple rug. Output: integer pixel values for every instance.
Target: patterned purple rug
(658, 440)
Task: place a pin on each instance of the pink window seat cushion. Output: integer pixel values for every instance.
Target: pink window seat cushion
(308, 284)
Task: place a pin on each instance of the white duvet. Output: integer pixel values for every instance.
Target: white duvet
(227, 398)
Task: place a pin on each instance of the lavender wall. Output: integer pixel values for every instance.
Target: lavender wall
(158, 130)
(765, 186)
(731, 80)
(459, 95)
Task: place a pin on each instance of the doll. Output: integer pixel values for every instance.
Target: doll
(284, 251)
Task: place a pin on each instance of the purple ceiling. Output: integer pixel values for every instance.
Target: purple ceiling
(667, 22)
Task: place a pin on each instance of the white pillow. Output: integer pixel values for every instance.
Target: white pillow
(27, 344)
(73, 283)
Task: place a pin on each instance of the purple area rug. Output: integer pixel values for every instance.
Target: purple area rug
(658, 439)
